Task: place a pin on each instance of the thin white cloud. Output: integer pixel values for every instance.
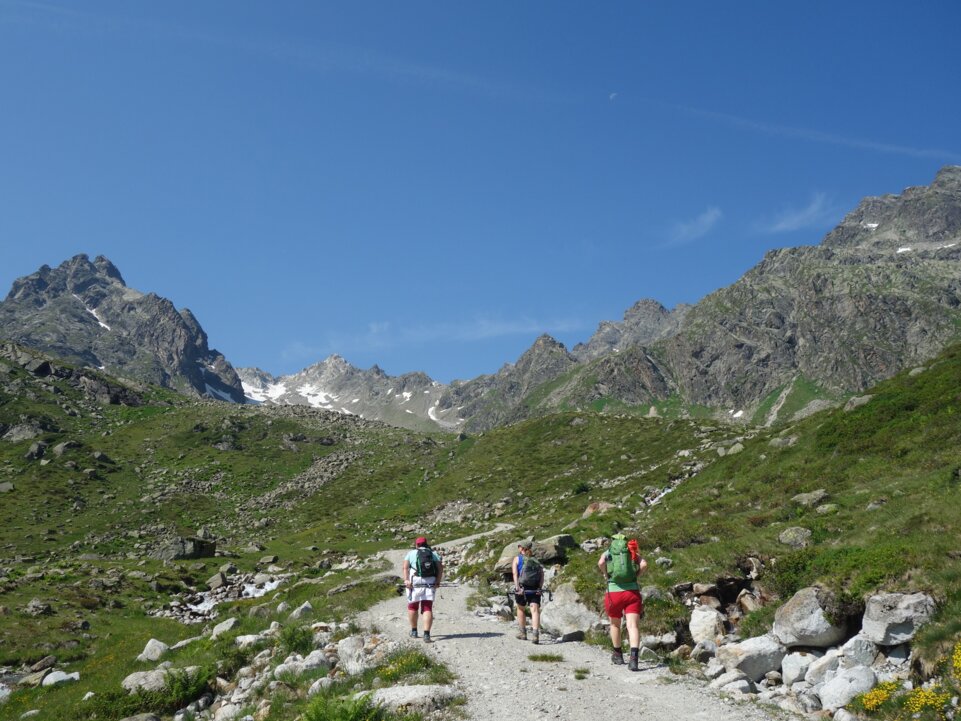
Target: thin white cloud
(687, 231)
(816, 136)
(329, 58)
(384, 335)
(818, 213)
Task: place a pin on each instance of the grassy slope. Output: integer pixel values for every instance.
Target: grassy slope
(899, 453)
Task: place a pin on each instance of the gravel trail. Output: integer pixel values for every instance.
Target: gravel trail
(503, 684)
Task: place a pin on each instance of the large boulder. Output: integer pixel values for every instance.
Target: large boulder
(707, 624)
(553, 549)
(847, 684)
(182, 548)
(802, 621)
(550, 550)
(893, 618)
(754, 657)
(566, 617)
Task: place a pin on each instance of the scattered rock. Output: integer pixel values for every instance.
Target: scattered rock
(847, 684)
(754, 657)
(153, 651)
(795, 537)
(893, 618)
(707, 624)
(56, 678)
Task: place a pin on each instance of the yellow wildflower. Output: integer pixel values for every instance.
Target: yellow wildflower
(876, 697)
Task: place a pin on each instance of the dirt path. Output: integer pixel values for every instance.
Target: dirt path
(503, 684)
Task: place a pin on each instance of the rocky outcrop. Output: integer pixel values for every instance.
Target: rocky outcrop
(83, 312)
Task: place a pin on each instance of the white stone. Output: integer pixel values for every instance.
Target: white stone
(861, 650)
(223, 627)
(755, 656)
(802, 622)
(844, 715)
(303, 610)
(227, 712)
(566, 617)
(820, 668)
(316, 659)
(294, 668)
(893, 618)
(796, 664)
(153, 650)
(350, 651)
(247, 640)
(707, 624)
(55, 678)
(740, 686)
(727, 677)
(415, 699)
(848, 683)
(319, 685)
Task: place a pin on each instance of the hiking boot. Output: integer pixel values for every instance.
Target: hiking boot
(537, 636)
(632, 664)
(617, 657)
(427, 638)
(522, 634)
(413, 633)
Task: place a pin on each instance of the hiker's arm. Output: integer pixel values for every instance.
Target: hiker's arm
(602, 564)
(517, 583)
(642, 566)
(407, 580)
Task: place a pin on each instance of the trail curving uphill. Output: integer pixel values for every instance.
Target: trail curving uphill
(502, 684)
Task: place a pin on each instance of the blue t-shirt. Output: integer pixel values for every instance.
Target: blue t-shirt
(411, 559)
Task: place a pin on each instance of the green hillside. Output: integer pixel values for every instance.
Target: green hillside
(79, 526)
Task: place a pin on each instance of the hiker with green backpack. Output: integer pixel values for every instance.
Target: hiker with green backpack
(621, 565)
(528, 580)
(423, 571)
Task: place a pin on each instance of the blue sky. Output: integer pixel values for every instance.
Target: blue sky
(430, 186)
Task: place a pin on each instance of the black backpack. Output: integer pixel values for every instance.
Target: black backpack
(531, 573)
(425, 566)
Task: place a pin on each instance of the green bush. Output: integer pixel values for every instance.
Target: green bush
(296, 639)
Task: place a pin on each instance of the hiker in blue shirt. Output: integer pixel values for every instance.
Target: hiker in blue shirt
(423, 570)
(528, 579)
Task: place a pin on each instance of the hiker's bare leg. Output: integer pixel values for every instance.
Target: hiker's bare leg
(616, 632)
(521, 619)
(634, 629)
(536, 616)
(412, 617)
(428, 619)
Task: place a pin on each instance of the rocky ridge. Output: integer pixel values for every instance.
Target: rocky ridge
(84, 312)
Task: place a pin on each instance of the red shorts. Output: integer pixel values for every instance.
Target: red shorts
(425, 606)
(617, 603)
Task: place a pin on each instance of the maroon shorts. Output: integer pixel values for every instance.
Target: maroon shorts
(425, 606)
(617, 603)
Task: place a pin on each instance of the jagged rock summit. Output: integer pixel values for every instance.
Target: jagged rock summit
(84, 312)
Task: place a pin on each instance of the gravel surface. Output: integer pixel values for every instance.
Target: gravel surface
(503, 684)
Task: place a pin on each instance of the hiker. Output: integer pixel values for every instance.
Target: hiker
(528, 579)
(423, 571)
(621, 565)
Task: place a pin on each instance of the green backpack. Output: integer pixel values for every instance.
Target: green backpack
(620, 566)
